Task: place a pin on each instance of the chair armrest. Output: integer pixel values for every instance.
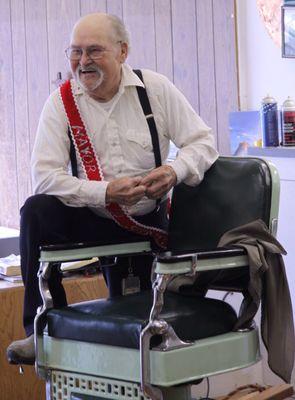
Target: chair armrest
(84, 251)
(190, 263)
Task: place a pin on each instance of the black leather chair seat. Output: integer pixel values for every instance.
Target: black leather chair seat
(119, 321)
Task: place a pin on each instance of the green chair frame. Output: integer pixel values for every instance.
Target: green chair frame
(77, 370)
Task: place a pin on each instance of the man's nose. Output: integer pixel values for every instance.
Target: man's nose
(85, 59)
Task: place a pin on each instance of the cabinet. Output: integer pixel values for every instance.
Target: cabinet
(14, 386)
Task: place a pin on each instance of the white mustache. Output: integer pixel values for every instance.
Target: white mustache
(90, 68)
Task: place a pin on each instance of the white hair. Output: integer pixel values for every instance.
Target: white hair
(120, 29)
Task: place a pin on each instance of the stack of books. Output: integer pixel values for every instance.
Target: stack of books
(80, 265)
(10, 268)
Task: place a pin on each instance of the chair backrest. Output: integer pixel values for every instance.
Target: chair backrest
(235, 191)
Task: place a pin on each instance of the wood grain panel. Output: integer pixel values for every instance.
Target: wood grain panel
(14, 386)
(85, 288)
(92, 6)
(8, 177)
(163, 28)
(139, 18)
(185, 57)
(37, 61)
(206, 60)
(20, 84)
(61, 17)
(225, 68)
(115, 7)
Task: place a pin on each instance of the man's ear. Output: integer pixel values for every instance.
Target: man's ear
(124, 52)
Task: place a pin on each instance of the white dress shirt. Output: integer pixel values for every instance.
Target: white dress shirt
(122, 140)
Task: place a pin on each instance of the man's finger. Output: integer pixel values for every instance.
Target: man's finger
(155, 175)
(155, 187)
(137, 190)
(147, 180)
(156, 195)
(137, 180)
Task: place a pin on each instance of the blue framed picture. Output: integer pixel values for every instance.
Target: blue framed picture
(245, 131)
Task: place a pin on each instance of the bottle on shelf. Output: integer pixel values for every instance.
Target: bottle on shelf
(288, 122)
(269, 122)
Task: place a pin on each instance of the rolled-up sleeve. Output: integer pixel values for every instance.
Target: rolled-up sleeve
(189, 133)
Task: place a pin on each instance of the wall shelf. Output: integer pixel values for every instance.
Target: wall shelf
(278, 152)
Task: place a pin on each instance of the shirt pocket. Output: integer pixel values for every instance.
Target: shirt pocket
(143, 139)
(140, 149)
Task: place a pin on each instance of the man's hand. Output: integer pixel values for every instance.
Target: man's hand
(159, 181)
(125, 191)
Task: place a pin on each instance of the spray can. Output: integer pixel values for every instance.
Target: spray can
(269, 122)
(288, 122)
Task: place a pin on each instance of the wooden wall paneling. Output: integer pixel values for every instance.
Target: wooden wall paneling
(225, 68)
(139, 19)
(92, 6)
(14, 386)
(61, 17)
(163, 28)
(37, 61)
(8, 178)
(22, 134)
(206, 60)
(185, 57)
(115, 7)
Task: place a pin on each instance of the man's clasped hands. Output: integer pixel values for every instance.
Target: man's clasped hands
(127, 191)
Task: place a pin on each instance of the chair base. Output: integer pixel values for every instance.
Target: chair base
(203, 358)
(63, 385)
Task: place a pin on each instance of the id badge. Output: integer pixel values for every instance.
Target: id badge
(130, 285)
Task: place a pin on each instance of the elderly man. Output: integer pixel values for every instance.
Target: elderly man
(119, 191)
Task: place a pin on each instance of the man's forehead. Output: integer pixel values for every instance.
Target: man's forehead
(93, 30)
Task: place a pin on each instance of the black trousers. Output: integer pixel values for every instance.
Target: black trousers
(46, 220)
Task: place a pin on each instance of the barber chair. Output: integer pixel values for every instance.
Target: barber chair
(155, 344)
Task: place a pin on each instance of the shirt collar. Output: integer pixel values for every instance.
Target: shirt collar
(129, 78)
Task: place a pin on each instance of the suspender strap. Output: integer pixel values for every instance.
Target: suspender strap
(147, 110)
(73, 156)
(90, 163)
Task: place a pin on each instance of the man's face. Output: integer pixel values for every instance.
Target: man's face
(100, 64)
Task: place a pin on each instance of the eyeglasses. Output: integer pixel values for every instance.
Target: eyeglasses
(93, 52)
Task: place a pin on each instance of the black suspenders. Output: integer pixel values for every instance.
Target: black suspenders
(146, 108)
(73, 156)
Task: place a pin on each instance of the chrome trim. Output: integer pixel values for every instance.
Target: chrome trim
(194, 263)
(274, 227)
(248, 329)
(43, 276)
(156, 326)
(171, 341)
